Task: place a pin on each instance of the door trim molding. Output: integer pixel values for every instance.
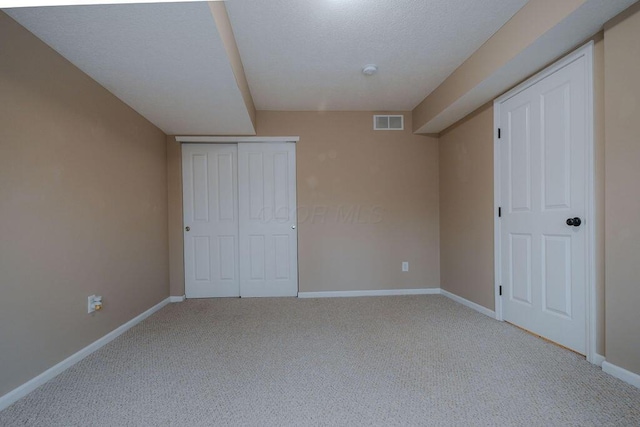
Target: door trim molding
(236, 139)
(591, 312)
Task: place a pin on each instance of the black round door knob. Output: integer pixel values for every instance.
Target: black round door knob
(574, 222)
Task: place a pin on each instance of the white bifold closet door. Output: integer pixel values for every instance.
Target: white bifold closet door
(240, 220)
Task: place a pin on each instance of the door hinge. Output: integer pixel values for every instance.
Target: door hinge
(500, 290)
(499, 212)
(499, 133)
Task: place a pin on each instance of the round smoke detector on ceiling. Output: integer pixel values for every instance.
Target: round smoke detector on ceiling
(370, 69)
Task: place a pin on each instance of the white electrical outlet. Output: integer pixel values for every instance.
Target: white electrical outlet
(94, 302)
(405, 266)
(90, 308)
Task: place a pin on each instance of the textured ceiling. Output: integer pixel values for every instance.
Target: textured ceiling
(308, 55)
(166, 61)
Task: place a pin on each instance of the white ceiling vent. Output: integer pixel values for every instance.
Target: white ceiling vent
(388, 122)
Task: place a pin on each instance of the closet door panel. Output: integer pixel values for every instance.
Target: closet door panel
(210, 206)
(267, 219)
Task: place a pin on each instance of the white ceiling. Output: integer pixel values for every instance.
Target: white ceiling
(308, 55)
(169, 63)
(166, 61)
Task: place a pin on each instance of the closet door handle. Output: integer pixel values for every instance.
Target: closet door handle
(293, 227)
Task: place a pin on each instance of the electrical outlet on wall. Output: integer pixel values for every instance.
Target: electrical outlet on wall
(405, 266)
(94, 302)
(90, 308)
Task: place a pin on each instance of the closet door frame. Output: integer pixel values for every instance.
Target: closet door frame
(589, 226)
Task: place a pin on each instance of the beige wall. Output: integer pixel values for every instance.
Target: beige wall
(622, 206)
(466, 203)
(466, 208)
(83, 208)
(367, 201)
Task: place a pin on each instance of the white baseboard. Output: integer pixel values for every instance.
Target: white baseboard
(52, 372)
(621, 373)
(477, 307)
(598, 359)
(177, 299)
(376, 293)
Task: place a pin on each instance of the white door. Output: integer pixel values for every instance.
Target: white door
(268, 235)
(543, 187)
(210, 197)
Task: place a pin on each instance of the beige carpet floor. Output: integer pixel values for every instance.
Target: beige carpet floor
(416, 360)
